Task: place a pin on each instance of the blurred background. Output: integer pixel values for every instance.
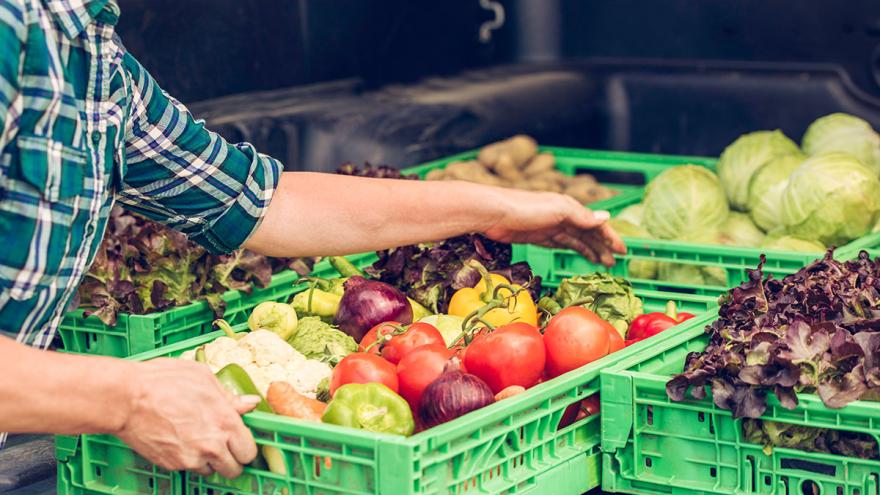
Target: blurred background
(320, 82)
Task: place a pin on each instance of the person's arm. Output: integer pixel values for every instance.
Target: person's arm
(173, 412)
(315, 214)
(222, 195)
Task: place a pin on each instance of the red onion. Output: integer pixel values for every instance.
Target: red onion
(366, 303)
(453, 394)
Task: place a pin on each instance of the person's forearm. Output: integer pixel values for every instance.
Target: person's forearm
(315, 214)
(50, 392)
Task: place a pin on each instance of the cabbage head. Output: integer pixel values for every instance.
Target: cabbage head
(831, 198)
(789, 243)
(740, 160)
(739, 230)
(683, 273)
(637, 268)
(846, 133)
(632, 214)
(683, 200)
(765, 190)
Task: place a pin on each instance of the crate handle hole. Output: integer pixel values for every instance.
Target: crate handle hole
(650, 415)
(810, 487)
(812, 467)
(751, 460)
(648, 462)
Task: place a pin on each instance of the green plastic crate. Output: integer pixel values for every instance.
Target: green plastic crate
(622, 171)
(511, 447)
(652, 445)
(134, 334)
(555, 264)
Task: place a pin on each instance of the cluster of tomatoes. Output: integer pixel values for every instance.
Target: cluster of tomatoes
(407, 359)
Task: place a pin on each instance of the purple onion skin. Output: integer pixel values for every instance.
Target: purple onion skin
(366, 303)
(451, 395)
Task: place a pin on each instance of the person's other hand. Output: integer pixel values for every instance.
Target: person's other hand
(181, 417)
(556, 220)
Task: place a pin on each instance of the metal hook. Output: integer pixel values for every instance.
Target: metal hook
(487, 27)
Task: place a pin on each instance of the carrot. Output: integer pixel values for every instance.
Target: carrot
(285, 400)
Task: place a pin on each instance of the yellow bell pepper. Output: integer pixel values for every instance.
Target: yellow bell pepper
(515, 308)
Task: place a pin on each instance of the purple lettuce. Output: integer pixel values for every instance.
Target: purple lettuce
(143, 267)
(815, 331)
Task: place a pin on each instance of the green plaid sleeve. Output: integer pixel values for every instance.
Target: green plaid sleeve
(187, 177)
(12, 35)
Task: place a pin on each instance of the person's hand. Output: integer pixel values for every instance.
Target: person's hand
(181, 417)
(556, 220)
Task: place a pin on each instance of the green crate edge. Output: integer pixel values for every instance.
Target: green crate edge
(649, 163)
(735, 261)
(576, 382)
(618, 384)
(139, 333)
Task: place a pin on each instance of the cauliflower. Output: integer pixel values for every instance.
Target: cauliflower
(266, 358)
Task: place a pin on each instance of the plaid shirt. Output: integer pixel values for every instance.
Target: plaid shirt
(82, 124)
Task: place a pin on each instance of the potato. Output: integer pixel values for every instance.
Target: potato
(519, 148)
(544, 162)
(471, 171)
(436, 174)
(505, 169)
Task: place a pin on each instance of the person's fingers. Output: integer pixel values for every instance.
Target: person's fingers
(615, 241)
(573, 242)
(241, 444)
(222, 461)
(584, 218)
(204, 470)
(245, 403)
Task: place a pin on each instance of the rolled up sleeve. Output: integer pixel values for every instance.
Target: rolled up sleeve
(181, 174)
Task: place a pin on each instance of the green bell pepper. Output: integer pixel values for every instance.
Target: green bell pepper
(236, 380)
(370, 406)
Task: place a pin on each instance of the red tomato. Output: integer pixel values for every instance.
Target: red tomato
(416, 335)
(574, 337)
(419, 368)
(615, 341)
(360, 367)
(400, 345)
(370, 337)
(510, 355)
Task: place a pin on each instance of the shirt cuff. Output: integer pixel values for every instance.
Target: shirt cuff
(237, 224)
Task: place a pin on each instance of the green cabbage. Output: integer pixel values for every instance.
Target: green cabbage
(632, 214)
(682, 200)
(765, 189)
(831, 198)
(448, 325)
(846, 133)
(744, 157)
(683, 273)
(739, 230)
(637, 268)
(789, 243)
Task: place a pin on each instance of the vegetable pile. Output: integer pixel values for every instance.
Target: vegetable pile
(516, 163)
(143, 267)
(767, 193)
(815, 331)
(360, 352)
